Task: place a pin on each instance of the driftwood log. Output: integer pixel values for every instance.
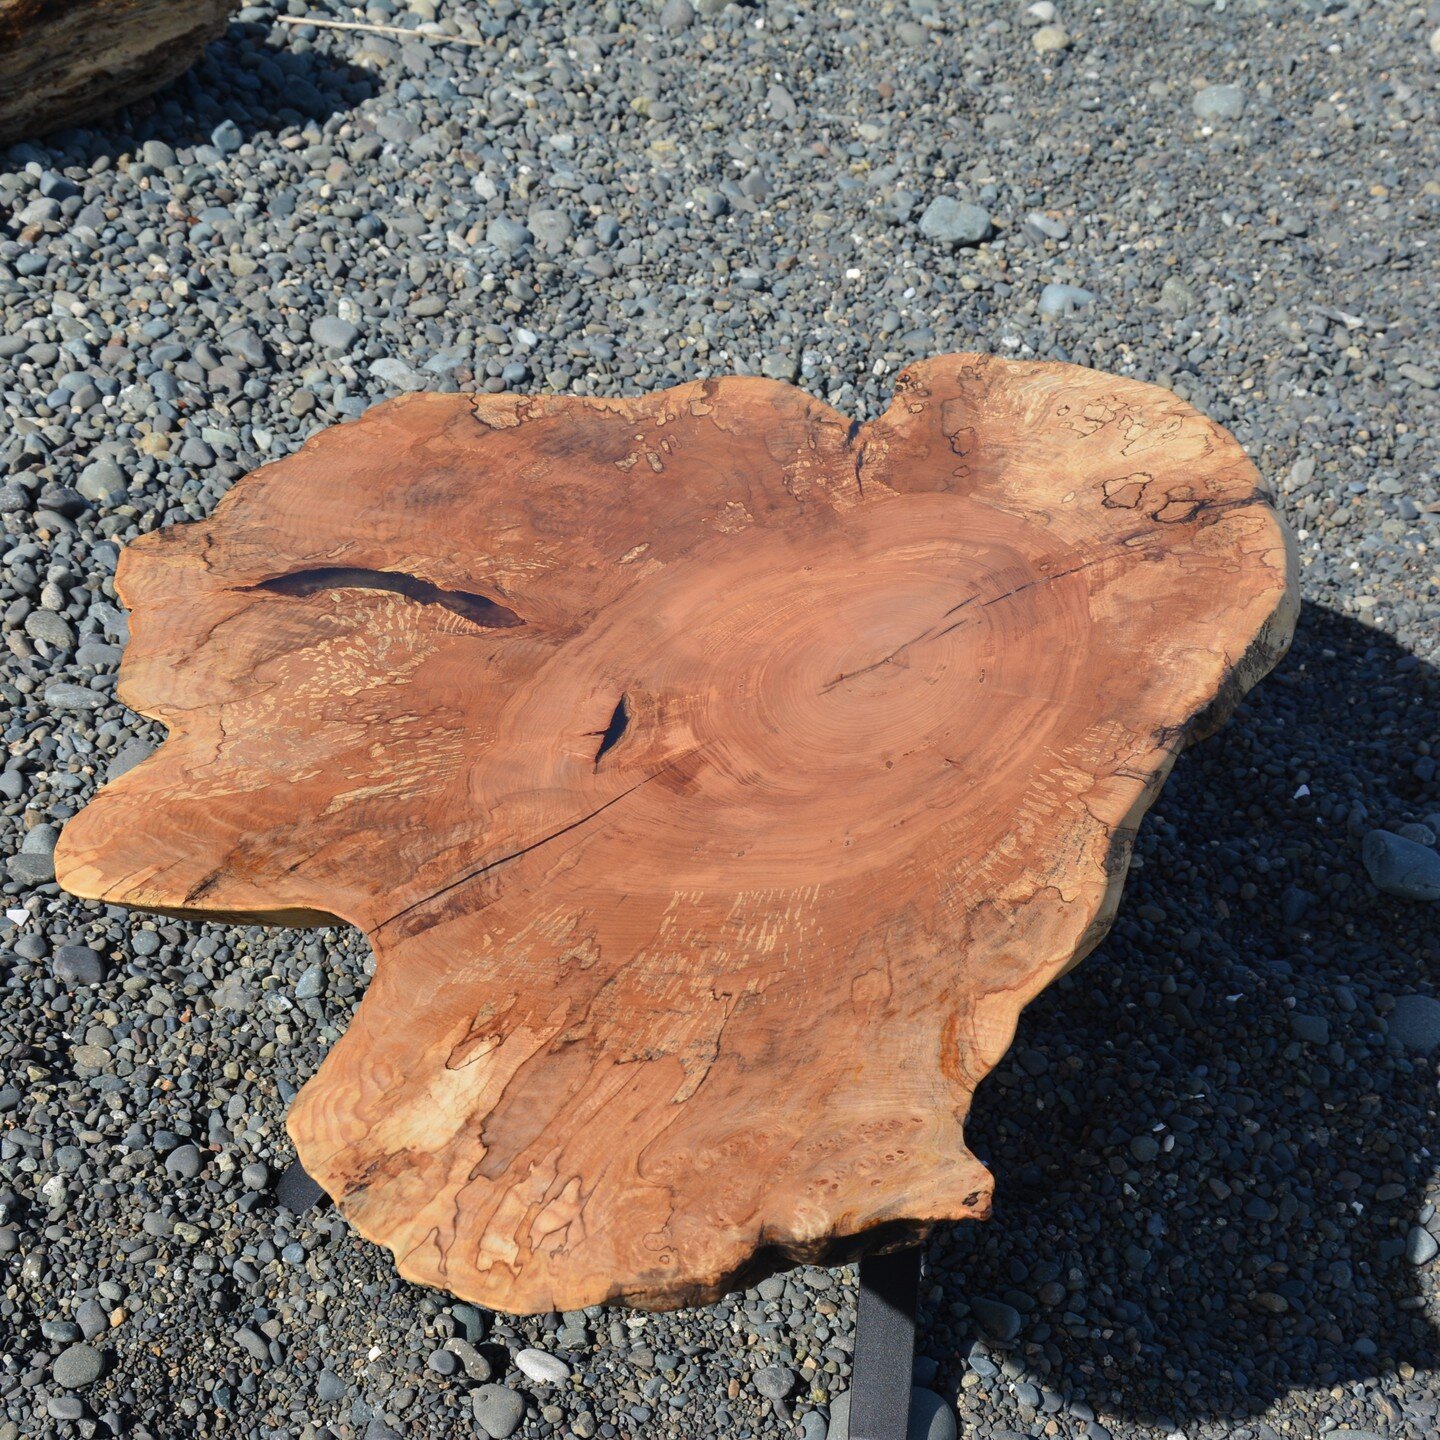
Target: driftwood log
(715, 779)
(63, 62)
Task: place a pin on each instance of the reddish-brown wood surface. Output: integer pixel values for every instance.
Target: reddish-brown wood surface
(715, 779)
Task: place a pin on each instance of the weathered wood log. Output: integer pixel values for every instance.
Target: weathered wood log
(715, 779)
(63, 62)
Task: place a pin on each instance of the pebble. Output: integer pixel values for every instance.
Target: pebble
(92, 1319)
(77, 1366)
(79, 965)
(1312, 1029)
(1219, 102)
(1415, 1023)
(999, 1320)
(507, 235)
(103, 482)
(955, 222)
(185, 1162)
(255, 1175)
(676, 16)
(1421, 1247)
(333, 333)
(1401, 867)
(1176, 296)
(1057, 300)
(543, 1368)
(1144, 1148)
(1049, 39)
(498, 1410)
(1044, 225)
(775, 1382)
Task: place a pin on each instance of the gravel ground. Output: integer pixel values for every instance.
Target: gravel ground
(1217, 1199)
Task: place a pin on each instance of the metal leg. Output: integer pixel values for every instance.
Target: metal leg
(295, 1190)
(884, 1346)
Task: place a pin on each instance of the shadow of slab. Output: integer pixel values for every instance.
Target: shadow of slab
(1210, 1149)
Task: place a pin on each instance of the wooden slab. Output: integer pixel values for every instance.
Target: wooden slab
(715, 779)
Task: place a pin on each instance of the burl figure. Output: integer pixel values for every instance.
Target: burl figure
(714, 777)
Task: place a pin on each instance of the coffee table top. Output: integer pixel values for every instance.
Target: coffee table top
(715, 779)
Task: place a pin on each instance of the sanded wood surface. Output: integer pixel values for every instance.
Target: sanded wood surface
(63, 62)
(715, 779)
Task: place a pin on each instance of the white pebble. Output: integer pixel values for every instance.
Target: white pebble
(542, 1368)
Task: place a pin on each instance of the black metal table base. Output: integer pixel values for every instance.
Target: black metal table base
(884, 1325)
(295, 1190)
(884, 1346)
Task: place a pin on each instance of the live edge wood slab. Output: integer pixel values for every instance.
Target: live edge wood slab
(715, 779)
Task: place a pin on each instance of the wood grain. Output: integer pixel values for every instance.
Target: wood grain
(715, 779)
(63, 62)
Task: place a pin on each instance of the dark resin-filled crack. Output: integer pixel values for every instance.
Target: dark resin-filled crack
(478, 609)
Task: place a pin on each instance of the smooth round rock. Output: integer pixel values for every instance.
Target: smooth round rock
(498, 1410)
(1059, 300)
(1415, 1023)
(1219, 102)
(955, 222)
(541, 1367)
(1401, 867)
(77, 1366)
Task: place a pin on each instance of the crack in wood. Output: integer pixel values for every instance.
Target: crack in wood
(478, 609)
(517, 854)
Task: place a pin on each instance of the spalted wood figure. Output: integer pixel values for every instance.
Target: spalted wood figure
(714, 777)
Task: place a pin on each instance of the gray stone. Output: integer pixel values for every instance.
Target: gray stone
(77, 1366)
(1176, 297)
(676, 16)
(255, 1175)
(253, 1343)
(79, 965)
(498, 1410)
(158, 154)
(1058, 300)
(185, 1162)
(31, 869)
(998, 1320)
(1415, 1023)
(775, 1382)
(333, 333)
(103, 482)
(507, 235)
(329, 1387)
(91, 1317)
(955, 222)
(550, 228)
(1421, 1247)
(64, 696)
(395, 373)
(1401, 867)
(780, 366)
(53, 629)
(1312, 1029)
(226, 137)
(1218, 102)
(1144, 1148)
(311, 983)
